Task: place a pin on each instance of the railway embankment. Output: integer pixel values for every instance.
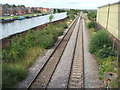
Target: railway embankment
(104, 49)
(23, 50)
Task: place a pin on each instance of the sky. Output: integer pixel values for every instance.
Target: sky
(73, 4)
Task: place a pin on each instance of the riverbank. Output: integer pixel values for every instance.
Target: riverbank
(14, 17)
(19, 26)
(6, 41)
(23, 51)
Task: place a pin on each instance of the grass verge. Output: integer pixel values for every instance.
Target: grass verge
(21, 15)
(101, 46)
(23, 51)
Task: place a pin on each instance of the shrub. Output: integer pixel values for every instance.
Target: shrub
(92, 31)
(64, 25)
(12, 74)
(92, 14)
(55, 32)
(91, 24)
(51, 18)
(16, 49)
(98, 41)
(21, 49)
(105, 65)
(105, 52)
(46, 41)
(70, 14)
(30, 38)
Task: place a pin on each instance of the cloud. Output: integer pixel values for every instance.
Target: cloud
(80, 4)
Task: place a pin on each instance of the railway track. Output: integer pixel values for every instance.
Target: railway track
(76, 79)
(64, 68)
(45, 74)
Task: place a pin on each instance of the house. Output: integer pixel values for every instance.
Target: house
(15, 11)
(29, 10)
(25, 10)
(5, 11)
(33, 10)
(20, 11)
(10, 11)
(42, 9)
(45, 9)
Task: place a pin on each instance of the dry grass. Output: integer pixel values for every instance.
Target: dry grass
(18, 70)
(92, 31)
(31, 55)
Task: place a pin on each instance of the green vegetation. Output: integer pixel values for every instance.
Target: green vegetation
(72, 12)
(21, 15)
(99, 41)
(58, 10)
(8, 5)
(91, 24)
(84, 11)
(106, 65)
(51, 18)
(23, 51)
(101, 46)
(92, 15)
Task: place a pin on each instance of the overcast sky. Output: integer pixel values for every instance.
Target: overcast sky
(75, 4)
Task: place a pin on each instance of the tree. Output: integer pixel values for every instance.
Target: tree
(54, 10)
(6, 6)
(13, 5)
(51, 17)
(58, 10)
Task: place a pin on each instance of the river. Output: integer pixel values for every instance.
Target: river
(17, 26)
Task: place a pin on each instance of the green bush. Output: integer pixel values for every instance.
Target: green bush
(92, 15)
(105, 65)
(12, 74)
(64, 25)
(47, 41)
(29, 39)
(12, 71)
(15, 51)
(51, 18)
(55, 32)
(98, 41)
(105, 52)
(91, 24)
(71, 14)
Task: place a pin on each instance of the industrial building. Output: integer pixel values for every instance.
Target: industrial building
(108, 16)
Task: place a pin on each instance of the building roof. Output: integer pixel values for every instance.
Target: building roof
(110, 4)
(5, 9)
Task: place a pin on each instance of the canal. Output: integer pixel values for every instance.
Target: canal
(8, 29)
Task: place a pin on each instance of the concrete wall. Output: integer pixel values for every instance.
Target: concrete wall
(109, 17)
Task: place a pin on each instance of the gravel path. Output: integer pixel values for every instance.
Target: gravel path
(90, 64)
(61, 74)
